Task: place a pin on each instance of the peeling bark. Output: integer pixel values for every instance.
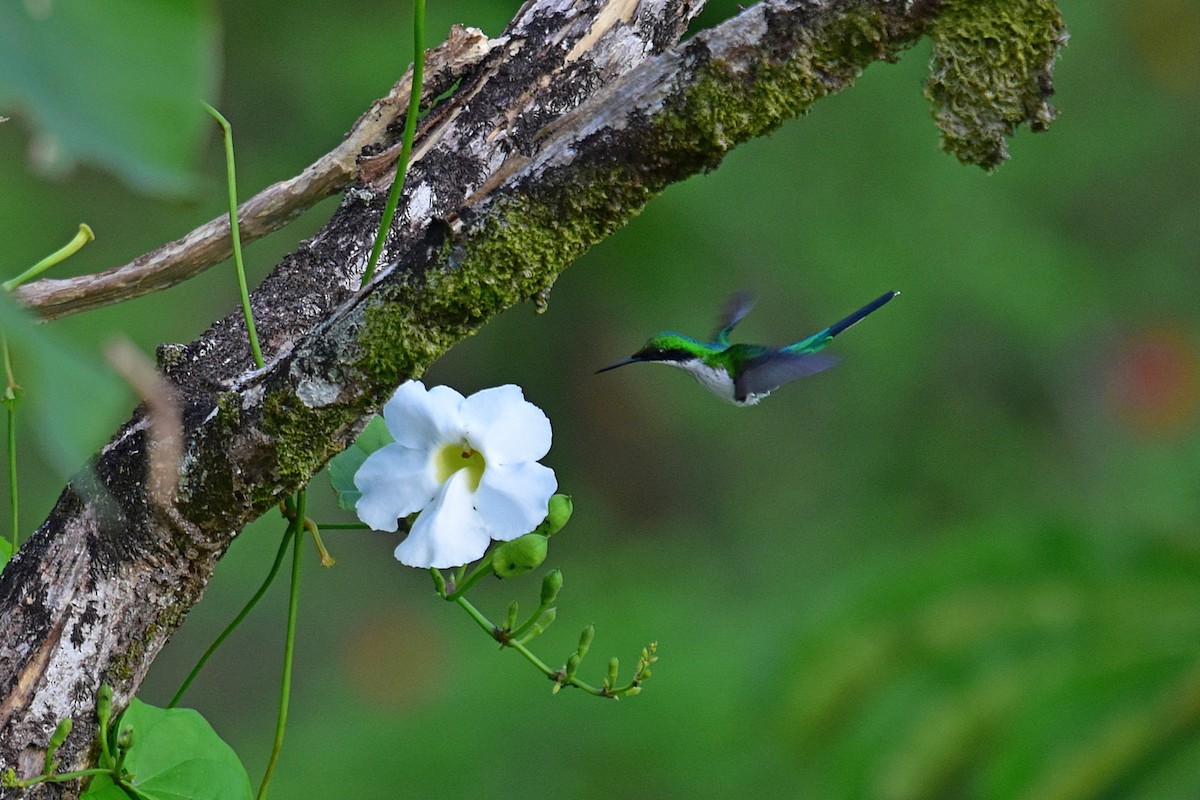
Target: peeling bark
(573, 120)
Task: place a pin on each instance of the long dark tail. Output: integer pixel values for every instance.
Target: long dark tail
(858, 316)
(821, 338)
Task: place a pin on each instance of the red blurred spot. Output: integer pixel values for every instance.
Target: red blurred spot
(394, 662)
(1154, 382)
(1162, 35)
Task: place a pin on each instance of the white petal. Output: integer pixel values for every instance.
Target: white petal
(424, 420)
(504, 426)
(395, 481)
(512, 499)
(449, 532)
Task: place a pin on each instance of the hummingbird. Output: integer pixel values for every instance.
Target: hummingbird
(743, 374)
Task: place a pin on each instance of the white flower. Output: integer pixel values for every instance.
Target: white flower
(469, 465)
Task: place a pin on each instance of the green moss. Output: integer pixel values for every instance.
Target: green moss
(168, 354)
(229, 410)
(990, 71)
(303, 438)
(723, 107)
(123, 668)
(515, 255)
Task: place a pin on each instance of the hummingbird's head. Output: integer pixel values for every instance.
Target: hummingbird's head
(668, 346)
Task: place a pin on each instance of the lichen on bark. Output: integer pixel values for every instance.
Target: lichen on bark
(991, 70)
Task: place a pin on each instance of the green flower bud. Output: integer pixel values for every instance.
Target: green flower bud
(513, 610)
(56, 740)
(104, 699)
(60, 734)
(585, 639)
(572, 666)
(551, 585)
(439, 581)
(558, 514)
(542, 623)
(520, 555)
(613, 665)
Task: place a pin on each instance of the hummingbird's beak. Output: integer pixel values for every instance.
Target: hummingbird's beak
(621, 363)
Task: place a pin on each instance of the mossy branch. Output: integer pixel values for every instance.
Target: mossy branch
(568, 126)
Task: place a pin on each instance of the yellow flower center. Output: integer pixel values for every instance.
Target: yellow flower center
(453, 457)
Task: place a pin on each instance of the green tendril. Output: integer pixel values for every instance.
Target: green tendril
(410, 130)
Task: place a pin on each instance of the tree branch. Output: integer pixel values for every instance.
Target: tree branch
(582, 113)
(270, 209)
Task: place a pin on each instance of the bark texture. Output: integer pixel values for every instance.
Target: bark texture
(571, 122)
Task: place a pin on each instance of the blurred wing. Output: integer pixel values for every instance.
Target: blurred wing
(771, 370)
(736, 307)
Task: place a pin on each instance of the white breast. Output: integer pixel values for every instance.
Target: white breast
(715, 379)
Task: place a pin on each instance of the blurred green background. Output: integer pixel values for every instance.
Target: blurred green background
(963, 564)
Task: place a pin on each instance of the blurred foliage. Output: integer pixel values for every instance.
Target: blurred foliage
(962, 564)
(53, 375)
(114, 82)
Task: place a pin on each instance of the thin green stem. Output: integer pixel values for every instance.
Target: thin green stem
(60, 777)
(231, 181)
(82, 237)
(410, 130)
(521, 630)
(326, 559)
(10, 399)
(481, 571)
(477, 615)
(245, 612)
(285, 689)
(14, 518)
(554, 674)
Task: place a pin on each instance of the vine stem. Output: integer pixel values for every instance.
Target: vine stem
(231, 183)
(232, 626)
(410, 130)
(10, 403)
(544, 668)
(285, 690)
(82, 237)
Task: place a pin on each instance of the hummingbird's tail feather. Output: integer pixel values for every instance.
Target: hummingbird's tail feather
(821, 338)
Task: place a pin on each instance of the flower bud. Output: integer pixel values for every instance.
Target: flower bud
(520, 555)
(104, 699)
(551, 585)
(572, 666)
(60, 734)
(439, 581)
(513, 610)
(56, 741)
(543, 622)
(585, 640)
(557, 514)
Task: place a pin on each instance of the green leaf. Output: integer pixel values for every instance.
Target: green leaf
(6, 552)
(114, 82)
(103, 788)
(75, 401)
(176, 755)
(345, 464)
